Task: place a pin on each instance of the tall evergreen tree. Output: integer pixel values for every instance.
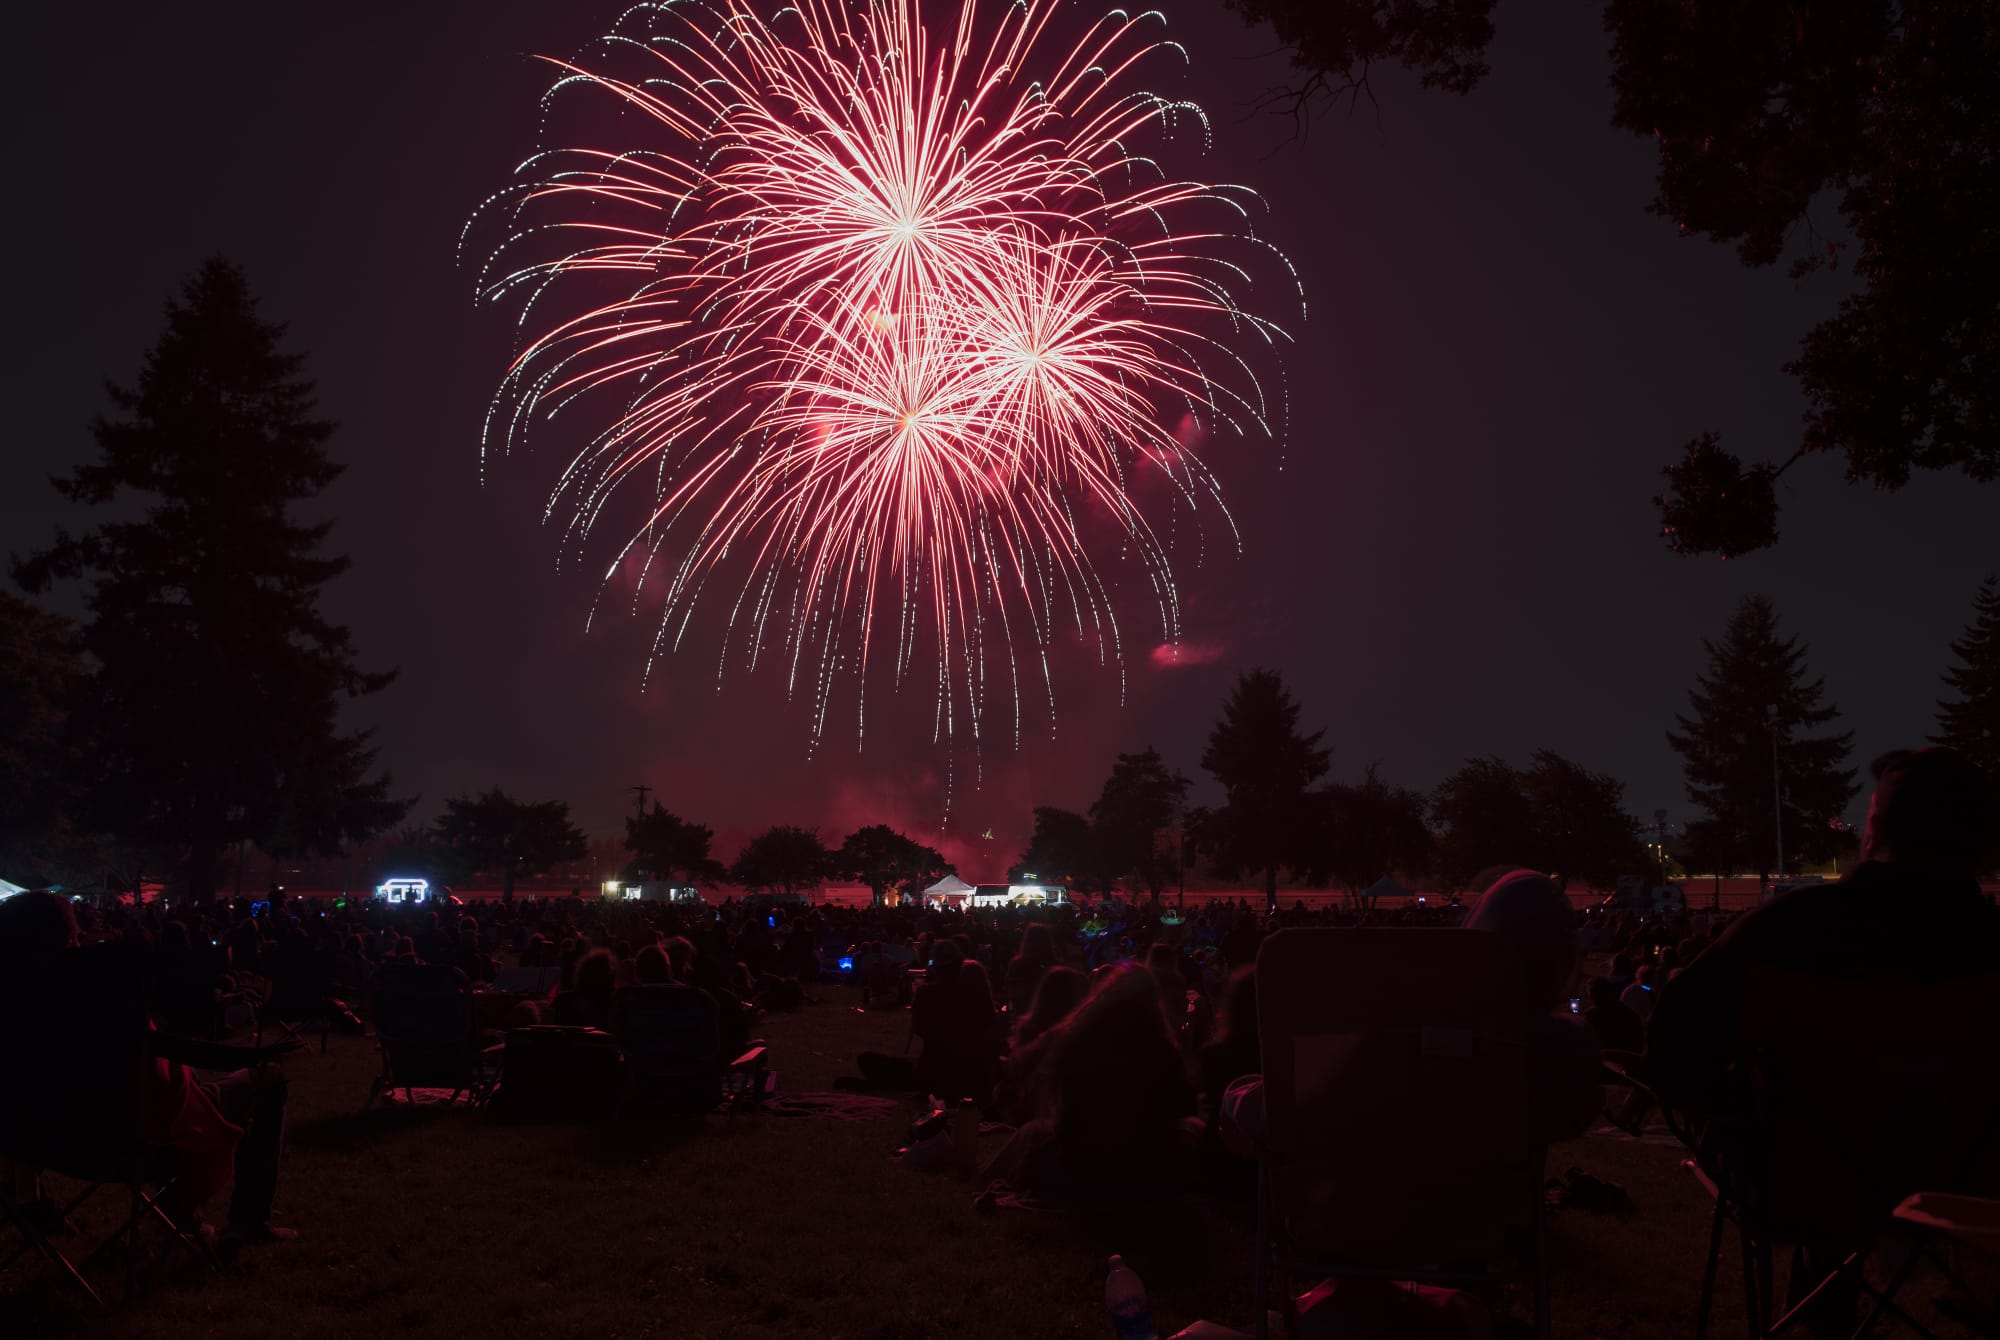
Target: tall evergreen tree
(1749, 734)
(219, 685)
(1970, 722)
(1266, 768)
(43, 677)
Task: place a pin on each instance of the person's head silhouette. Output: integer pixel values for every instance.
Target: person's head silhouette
(1929, 812)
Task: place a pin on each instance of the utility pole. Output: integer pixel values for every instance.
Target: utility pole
(1777, 793)
(1660, 846)
(641, 791)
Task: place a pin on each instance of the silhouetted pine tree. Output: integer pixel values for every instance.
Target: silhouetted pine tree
(1265, 767)
(1726, 747)
(1970, 723)
(215, 711)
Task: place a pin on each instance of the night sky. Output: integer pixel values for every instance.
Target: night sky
(1452, 553)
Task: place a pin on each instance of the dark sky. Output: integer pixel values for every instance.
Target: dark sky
(1452, 554)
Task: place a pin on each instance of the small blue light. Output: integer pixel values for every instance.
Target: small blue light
(847, 965)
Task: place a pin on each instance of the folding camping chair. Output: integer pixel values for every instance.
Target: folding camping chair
(1377, 1044)
(301, 993)
(76, 1038)
(1856, 1096)
(424, 1019)
(673, 1055)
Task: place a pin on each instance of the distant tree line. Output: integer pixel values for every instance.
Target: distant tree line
(1767, 775)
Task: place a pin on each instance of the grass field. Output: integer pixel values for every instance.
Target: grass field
(432, 1222)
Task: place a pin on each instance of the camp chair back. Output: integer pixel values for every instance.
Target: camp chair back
(186, 990)
(673, 1053)
(1400, 1138)
(301, 990)
(1855, 1095)
(1864, 1093)
(423, 1016)
(76, 1038)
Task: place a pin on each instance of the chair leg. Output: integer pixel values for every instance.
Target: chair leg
(1542, 1321)
(1707, 1304)
(1884, 1300)
(1261, 1270)
(132, 1245)
(1756, 1282)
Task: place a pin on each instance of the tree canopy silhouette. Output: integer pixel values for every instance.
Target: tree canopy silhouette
(1555, 815)
(783, 859)
(215, 711)
(1366, 830)
(493, 833)
(1887, 109)
(1969, 721)
(1484, 818)
(666, 846)
(1747, 734)
(1265, 767)
(1140, 798)
(885, 859)
(1064, 846)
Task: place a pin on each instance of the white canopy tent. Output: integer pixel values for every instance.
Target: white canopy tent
(9, 890)
(951, 886)
(1384, 887)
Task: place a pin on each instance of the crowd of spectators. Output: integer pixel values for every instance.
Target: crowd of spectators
(1120, 1039)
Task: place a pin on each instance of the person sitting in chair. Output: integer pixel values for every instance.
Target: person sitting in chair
(232, 1127)
(1912, 911)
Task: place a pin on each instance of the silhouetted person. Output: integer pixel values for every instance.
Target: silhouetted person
(1912, 911)
(216, 1131)
(1164, 964)
(1024, 971)
(587, 1004)
(1528, 910)
(1117, 1099)
(1061, 991)
(1235, 1050)
(1617, 1028)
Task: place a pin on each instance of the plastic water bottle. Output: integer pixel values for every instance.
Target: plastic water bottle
(1125, 1300)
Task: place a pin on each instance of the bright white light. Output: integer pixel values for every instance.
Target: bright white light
(404, 890)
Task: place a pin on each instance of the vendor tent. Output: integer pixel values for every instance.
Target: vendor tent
(951, 886)
(1384, 887)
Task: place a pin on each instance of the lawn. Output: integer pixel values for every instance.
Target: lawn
(433, 1222)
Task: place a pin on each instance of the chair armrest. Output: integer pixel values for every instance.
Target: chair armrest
(218, 1055)
(1627, 1068)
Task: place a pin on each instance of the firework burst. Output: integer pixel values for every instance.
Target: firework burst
(885, 315)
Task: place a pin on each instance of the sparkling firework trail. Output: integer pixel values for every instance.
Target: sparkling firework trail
(890, 321)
